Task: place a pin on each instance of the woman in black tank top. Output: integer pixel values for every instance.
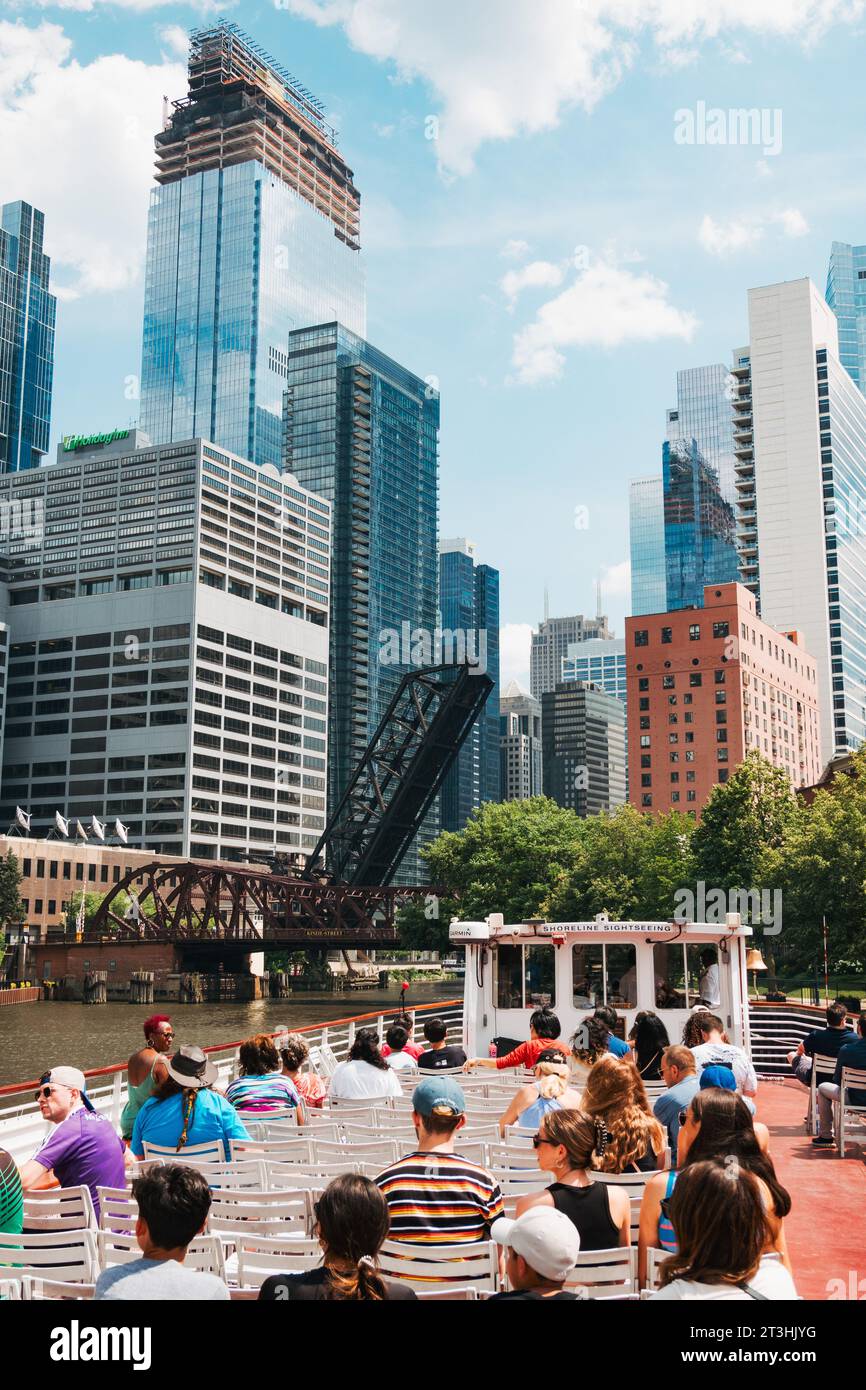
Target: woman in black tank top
(565, 1145)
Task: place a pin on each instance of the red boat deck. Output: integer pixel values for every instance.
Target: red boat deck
(826, 1229)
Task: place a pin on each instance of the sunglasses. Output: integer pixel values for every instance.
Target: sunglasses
(683, 1116)
(538, 1140)
(665, 1208)
(45, 1091)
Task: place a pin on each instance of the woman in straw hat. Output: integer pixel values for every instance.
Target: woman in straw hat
(185, 1110)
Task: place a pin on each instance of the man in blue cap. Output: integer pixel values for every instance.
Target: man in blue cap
(434, 1195)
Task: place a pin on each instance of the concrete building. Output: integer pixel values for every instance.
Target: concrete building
(168, 663)
(583, 748)
(520, 744)
(601, 661)
(550, 645)
(705, 687)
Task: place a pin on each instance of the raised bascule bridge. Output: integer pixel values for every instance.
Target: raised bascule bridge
(218, 915)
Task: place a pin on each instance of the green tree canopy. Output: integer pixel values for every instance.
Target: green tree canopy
(742, 820)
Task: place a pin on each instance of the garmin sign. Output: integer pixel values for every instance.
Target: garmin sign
(71, 442)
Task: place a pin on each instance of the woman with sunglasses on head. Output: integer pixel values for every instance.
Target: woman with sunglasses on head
(569, 1146)
(351, 1227)
(721, 1219)
(549, 1091)
(716, 1125)
(146, 1069)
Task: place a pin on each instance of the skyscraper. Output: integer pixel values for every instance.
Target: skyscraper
(809, 475)
(551, 643)
(583, 748)
(363, 432)
(700, 526)
(704, 413)
(647, 544)
(469, 604)
(253, 231)
(846, 295)
(27, 317)
(520, 744)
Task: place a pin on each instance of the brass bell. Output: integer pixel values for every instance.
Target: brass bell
(754, 960)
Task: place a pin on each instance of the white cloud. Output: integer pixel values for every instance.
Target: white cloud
(515, 641)
(536, 275)
(203, 7)
(793, 222)
(500, 70)
(743, 233)
(606, 306)
(515, 250)
(77, 142)
(616, 581)
(720, 239)
(176, 40)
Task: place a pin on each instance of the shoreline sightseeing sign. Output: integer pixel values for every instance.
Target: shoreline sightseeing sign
(71, 442)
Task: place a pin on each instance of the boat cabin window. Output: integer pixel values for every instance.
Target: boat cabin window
(686, 975)
(525, 977)
(602, 974)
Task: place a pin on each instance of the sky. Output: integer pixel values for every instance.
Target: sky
(558, 214)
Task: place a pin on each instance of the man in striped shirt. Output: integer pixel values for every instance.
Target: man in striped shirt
(434, 1196)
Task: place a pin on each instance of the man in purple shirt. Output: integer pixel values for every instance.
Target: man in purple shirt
(82, 1149)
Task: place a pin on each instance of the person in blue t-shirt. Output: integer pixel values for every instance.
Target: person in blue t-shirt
(852, 1054)
(608, 1015)
(823, 1042)
(184, 1110)
(680, 1076)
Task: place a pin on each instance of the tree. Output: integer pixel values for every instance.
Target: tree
(628, 865)
(91, 903)
(11, 906)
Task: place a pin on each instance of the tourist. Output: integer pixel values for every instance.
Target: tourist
(351, 1227)
(608, 1017)
(716, 1124)
(410, 1048)
(294, 1053)
(397, 1058)
(11, 1196)
(441, 1055)
(714, 1050)
(544, 1031)
(435, 1196)
(851, 1054)
(366, 1075)
(650, 1040)
(709, 980)
(681, 1078)
(588, 1043)
(542, 1249)
(82, 1150)
(261, 1086)
(692, 1035)
(823, 1042)
(566, 1147)
(630, 1139)
(145, 1069)
(549, 1091)
(722, 1236)
(173, 1205)
(185, 1110)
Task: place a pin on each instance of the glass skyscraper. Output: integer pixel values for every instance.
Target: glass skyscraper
(363, 432)
(704, 412)
(252, 233)
(846, 295)
(700, 527)
(469, 604)
(647, 543)
(27, 318)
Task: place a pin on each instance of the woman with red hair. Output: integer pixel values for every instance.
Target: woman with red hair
(145, 1071)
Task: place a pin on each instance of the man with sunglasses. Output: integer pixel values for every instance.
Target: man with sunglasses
(82, 1150)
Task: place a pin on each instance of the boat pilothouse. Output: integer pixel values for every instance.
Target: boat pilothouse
(574, 967)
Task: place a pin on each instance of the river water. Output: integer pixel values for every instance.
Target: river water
(35, 1037)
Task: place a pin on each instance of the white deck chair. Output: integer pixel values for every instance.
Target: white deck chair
(59, 1209)
(653, 1266)
(322, 1060)
(240, 1172)
(212, 1150)
(474, 1263)
(382, 1151)
(605, 1273)
(11, 1290)
(273, 1150)
(67, 1255)
(263, 1213)
(848, 1115)
(468, 1294)
(823, 1069)
(118, 1210)
(258, 1257)
(38, 1290)
(205, 1253)
(306, 1177)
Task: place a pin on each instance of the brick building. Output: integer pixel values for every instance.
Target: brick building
(707, 685)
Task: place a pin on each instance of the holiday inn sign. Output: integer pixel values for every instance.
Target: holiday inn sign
(89, 441)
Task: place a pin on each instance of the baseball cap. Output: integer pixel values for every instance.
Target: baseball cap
(547, 1240)
(720, 1076)
(438, 1095)
(71, 1077)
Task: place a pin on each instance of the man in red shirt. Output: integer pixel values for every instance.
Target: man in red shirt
(544, 1030)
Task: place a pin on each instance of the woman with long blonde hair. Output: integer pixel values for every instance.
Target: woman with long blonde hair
(630, 1138)
(549, 1091)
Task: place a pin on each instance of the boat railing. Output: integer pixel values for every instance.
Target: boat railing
(22, 1128)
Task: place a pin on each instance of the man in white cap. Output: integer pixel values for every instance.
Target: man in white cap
(82, 1149)
(542, 1248)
